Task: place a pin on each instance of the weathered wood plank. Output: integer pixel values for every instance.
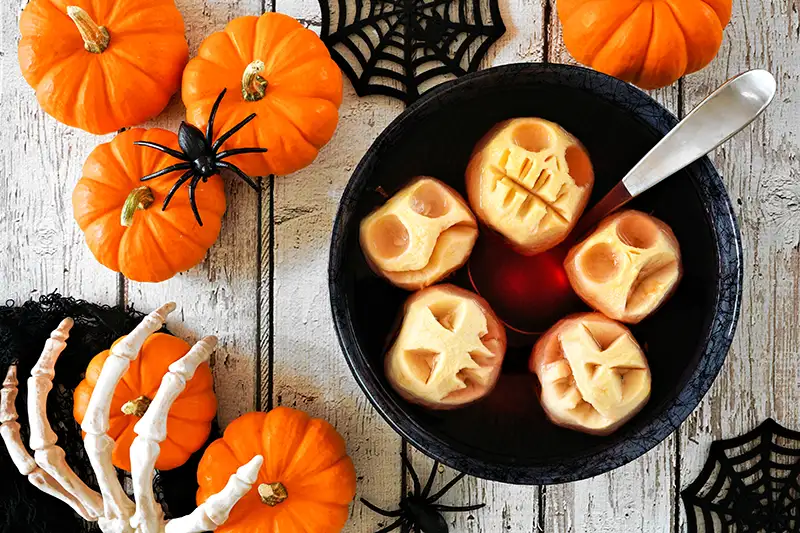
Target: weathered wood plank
(309, 371)
(218, 297)
(638, 496)
(40, 162)
(761, 377)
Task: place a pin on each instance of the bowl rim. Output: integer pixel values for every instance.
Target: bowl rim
(669, 414)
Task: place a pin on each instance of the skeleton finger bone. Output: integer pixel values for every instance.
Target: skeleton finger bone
(215, 510)
(9, 431)
(99, 446)
(151, 430)
(47, 454)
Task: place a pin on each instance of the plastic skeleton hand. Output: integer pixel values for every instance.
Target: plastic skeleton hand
(111, 508)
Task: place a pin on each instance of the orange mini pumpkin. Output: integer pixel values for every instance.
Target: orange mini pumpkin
(189, 419)
(278, 69)
(306, 483)
(122, 218)
(101, 65)
(650, 43)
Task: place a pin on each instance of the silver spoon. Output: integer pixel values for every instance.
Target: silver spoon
(723, 114)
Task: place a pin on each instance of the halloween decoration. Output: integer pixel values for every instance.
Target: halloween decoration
(749, 483)
(593, 373)
(201, 157)
(418, 509)
(23, 331)
(627, 267)
(420, 236)
(102, 65)
(529, 180)
(307, 480)
(650, 44)
(278, 69)
(111, 508)
(122, 220)
(449, 351)
(189, 420)
(403, 49)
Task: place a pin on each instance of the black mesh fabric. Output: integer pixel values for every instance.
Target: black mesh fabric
(23, 332)
(749, 483)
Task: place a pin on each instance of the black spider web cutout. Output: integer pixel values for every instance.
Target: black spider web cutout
(404, 48)
(749, 483)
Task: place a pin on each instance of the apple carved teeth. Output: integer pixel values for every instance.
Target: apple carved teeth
(529, 180)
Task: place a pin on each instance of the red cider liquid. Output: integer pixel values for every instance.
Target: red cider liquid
(529, 294)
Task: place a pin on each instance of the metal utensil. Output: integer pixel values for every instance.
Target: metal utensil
(723, 114)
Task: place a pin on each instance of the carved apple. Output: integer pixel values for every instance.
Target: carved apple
(529, 180)
(420, 236)
(593, 373)
(627, 267)
(449, 351)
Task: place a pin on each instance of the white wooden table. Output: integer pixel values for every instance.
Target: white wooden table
(263, 287)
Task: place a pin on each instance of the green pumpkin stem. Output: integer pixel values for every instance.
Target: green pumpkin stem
(272, 493)
(254, 87)
(139, 198)
(95, 38)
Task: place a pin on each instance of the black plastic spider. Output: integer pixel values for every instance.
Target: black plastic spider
(418, 510)
(201, 157)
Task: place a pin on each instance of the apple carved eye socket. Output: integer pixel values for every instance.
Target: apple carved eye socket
(449, 350)
(529, 180)
(594, 375)
(420, 235)
(627, 268)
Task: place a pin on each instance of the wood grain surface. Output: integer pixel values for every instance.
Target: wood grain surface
(263, 287)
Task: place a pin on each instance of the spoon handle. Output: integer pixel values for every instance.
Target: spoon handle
(719, 117)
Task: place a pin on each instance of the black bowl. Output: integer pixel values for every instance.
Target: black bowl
(506, 437)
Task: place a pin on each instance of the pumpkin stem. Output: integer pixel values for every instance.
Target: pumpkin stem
(272, 493)
(254, 87)
(137, 407)
(95, 38)
(139, 198)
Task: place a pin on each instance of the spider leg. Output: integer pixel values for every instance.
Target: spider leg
(459, 509)
(213, 115)
(391, 527)
(236, 151)
(173, 168)
(174, 153)
(193, 200)
(227, 135)
(236, 170)
(429, 483)
(183, 179)
(382, 512)
(447, 487)
(414, 477)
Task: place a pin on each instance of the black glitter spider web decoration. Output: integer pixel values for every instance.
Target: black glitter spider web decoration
(750, 483)
(403, 48)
